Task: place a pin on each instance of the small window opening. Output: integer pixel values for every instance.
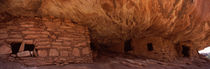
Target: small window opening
(15, 47)
(185, 51)
(127, 46)
(149, 47)
(29, 47)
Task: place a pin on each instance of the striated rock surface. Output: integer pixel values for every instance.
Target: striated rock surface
(177, 21)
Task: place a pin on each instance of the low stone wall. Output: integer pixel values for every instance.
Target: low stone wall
(155, 48)
(52, 37)
(162, 49)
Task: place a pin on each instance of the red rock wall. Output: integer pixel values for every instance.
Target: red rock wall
(53, 38)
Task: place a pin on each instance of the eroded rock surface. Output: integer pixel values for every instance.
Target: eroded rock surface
(178, 21)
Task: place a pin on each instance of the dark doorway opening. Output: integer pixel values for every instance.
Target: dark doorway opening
(29, 47)
(92, 46)
(149, 47)
(15, 46)
(185, 51)
(127, 46)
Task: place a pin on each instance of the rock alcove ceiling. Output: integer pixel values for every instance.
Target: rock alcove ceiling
(115, 21)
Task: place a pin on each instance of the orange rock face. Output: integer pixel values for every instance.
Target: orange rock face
(177, 21)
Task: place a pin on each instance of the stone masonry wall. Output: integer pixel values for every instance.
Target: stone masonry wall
(53, 38)
(163, 50)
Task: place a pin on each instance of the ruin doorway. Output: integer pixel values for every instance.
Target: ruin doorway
(185, 51)
(149, 47)
(15, 46)
(127, 46)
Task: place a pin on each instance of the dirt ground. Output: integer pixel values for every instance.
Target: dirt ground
(119, 62)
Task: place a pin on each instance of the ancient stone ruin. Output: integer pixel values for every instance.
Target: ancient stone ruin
(75, 31)
(53, 39)
(151, 47)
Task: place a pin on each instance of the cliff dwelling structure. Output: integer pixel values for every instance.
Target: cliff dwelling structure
(76, 31)
(50, 38)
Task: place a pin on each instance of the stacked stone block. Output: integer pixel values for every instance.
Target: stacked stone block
(52, 37)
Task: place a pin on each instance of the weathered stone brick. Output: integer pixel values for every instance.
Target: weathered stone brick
(62, 47)
(56, 43)
(76, 52)
(43, 43)
(56, 46)
(51, 29)
(15, 36)
(45, 32)
(65, 27)
(31, 36)
(3, 31)
(67, 43)
(14, 40)
(37, 18)
(81, 44)
(53, 52)
(43, 46)
(2, 36)
(64, 38)
(13, 32)
(58, 40)
(70, 30)
(86, 51)
(22, 28)
(42, 39)
(12, 27)
(28, 41)
(35, 36)
(35, 29)
(70, 24)
(23, 54)
(5, 49)
(53, 37)
(42, 53)
(57, 33)
(64, 53)
(29, 32)
(26, 25)
(80, 37)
